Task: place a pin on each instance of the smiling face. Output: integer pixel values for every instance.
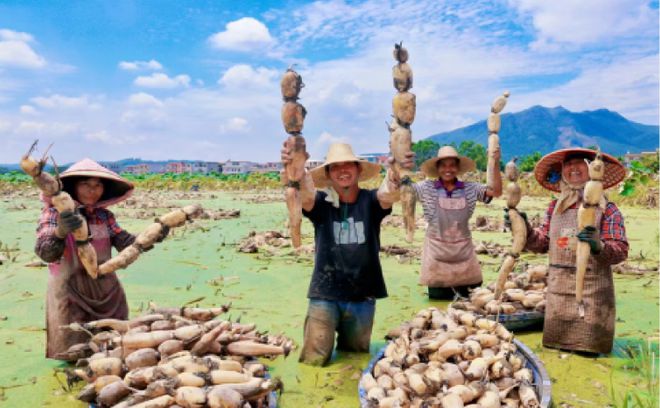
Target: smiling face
(447, 169)
(575, 171)
(89, 190)
(344, 175)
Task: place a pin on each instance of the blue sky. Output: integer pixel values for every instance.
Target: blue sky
(200, 80)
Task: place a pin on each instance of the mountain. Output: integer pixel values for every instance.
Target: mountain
(546, 129)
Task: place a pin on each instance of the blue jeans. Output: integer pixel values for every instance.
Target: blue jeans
(352, 321)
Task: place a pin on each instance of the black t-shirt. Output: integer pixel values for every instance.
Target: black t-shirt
(347, 241)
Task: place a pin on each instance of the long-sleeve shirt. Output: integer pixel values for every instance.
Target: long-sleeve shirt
(612, 233)
(50, 247)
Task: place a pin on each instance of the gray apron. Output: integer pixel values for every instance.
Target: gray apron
(563, 328)
(73, 296)
(448, 257)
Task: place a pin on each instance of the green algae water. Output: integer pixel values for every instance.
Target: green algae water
(270, 290)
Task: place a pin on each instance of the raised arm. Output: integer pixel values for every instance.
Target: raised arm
(494, 188)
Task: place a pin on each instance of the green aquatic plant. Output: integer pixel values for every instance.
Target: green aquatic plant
(642, 359)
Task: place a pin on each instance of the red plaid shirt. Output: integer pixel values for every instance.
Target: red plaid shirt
(612, 233)
(99, 216)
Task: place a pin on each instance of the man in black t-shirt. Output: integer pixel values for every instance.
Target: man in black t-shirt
(347, 277)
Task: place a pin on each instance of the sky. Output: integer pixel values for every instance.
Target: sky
(200, 79)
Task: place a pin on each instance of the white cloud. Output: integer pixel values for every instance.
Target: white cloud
(144, 99)
(100, 136)
(10, 35)
(5, 126)
(243, 75)
(235, 125)
(28, 110)
(162, 81)
(56, 101)
(15, 51)
(245, 34)
(587, 21)
(49, 129)
(140, 65)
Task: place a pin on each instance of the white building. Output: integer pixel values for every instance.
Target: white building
(238, 167)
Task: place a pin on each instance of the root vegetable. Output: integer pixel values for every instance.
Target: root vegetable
(376, 393)
(450, 348)
(254, 388)
(30, 166)
(146, 340)
(189, 333)
(253, 349)
(368, 382)
(400, 53)
(452, 374)
(87, 256)
(408, 201)
(142, 358)
(149, 235)
(293, 116)
(452, 400)
(113, 393)
(187, 379)
(403, 77)
(471, 350)
(126, 257)
(291, 85)
(493, 122)
(528, 396)
(106, 366)
(104, 380)
(586, 217)
(416, 383)
(204, 343)
(228, 377)
(295, 172)
(163, 401)
(190, 397)
(400, 147)
(224, 398)
(499, 103)
(162, 325)
(169, 347)
(477, 370)
(524, 375)
(490, 399)
(385, 381)
(403, 106)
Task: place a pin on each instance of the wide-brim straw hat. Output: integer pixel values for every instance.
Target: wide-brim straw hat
(339, 153)
(465, 164)
(115, 187)
(548, 169)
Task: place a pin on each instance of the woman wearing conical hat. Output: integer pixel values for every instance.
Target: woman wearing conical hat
(566, 172)
(449, 263)
(347, 277)
(72, 295)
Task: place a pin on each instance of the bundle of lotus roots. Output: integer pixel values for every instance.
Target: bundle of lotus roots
(174, 356)
(522, 292)
(450, 359)
(403, 107)
(293, 116)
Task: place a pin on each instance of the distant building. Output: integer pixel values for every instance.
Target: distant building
(113, 166)
(312, 163)
(142, 168)
(268, 167)
(205, 167)
(178, 167)
(378, 158)
(238, 167)
(631, 157)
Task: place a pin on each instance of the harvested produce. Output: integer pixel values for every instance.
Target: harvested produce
(518, 226)
(403, 109)
(522, 292)
(586, 217)
(449, 359)
(204, 361)
(493, 122)
(293, 117)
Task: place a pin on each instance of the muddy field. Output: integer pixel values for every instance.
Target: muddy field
(268, 287)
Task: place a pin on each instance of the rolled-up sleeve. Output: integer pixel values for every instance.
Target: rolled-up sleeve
(119, 237)
(49, 246)
(613, 234)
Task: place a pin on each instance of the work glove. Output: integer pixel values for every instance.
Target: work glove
(67, 222)
(507, 220)
(591, 235)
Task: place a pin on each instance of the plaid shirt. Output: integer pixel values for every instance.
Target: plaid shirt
(100, 216)
(50, 248)
(612, 233)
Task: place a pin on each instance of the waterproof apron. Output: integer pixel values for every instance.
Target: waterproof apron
(73, 296)
(563, 328)
(448, 257)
